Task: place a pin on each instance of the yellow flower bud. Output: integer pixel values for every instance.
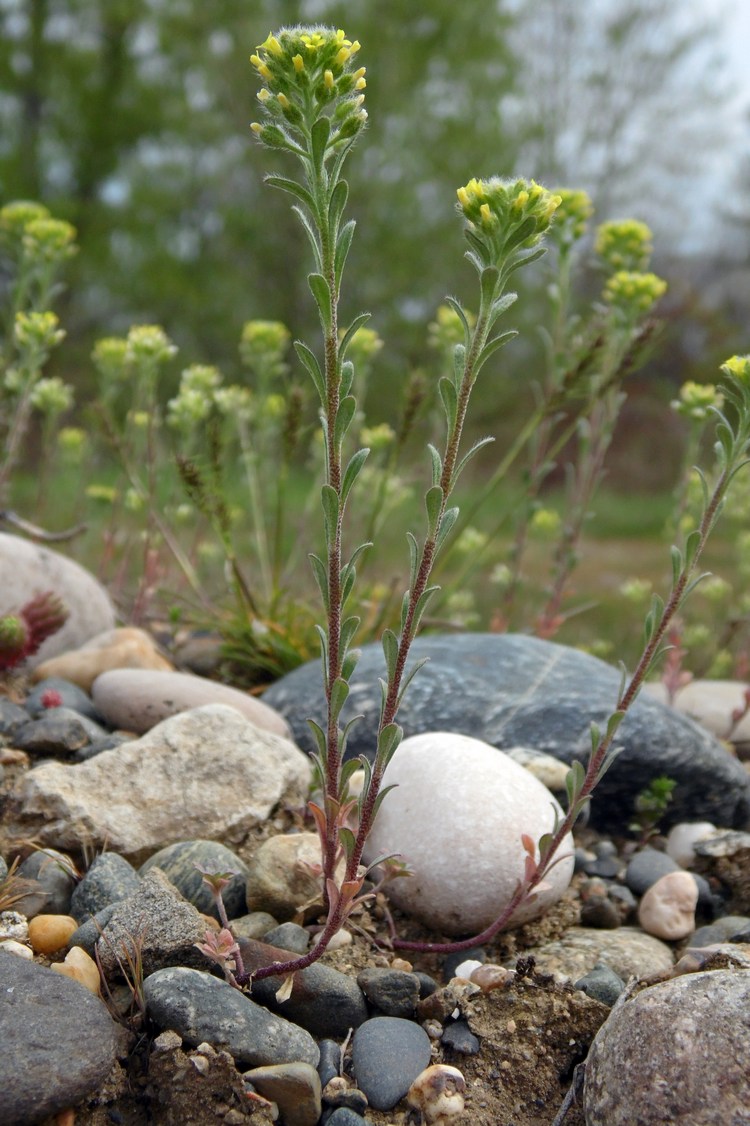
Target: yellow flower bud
(283, 101)
(328, 79)
(463, 197)
(256, 127)
(263, 95)
(264, 72)
(360, 84)
(299, 63)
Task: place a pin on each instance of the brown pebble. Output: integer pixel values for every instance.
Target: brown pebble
(49, 933)
(81, 968)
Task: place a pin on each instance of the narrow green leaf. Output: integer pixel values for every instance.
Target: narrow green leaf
(312, 235)
(692, 544)
(321, 578)
(677, 563)
(447, 390)
(293, 188)
(404, 609)
(413, 558)
(458, 310)
(574, 780)
(488, 283)
(319, 290)
(379, 799)
(446, 526)
(346, 769)
(348, 579)
(459, 364)
(469, 455)
(319, 135)
(347, 378)
(323, 638)
(433, 502)
(501, 305)
(339, 196)
(437, 464)
(310, 361)
(330, 500)
(360, 320)
(343, 243)
(388, 741)
(349, 628)
(612, 754)
(344, 417)
(421, 606)
(349, 663)
(614, 722)
(351, 766)
(348, 841)
(409, 677)
(596, 737)
(478, 253)
(351, 473)
(519, 260)
(339, 693)
(492, 346)
(694, 583)
(319, 736)
(389, 641)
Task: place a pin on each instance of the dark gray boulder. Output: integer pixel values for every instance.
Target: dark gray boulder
(512, 690)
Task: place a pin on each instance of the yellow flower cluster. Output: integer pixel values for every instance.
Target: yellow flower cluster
(507, 215)
(572, 215)
(738, 367)
(308, 72)
(632, 292)
(696, 399)
(37, 330)
(624, 244)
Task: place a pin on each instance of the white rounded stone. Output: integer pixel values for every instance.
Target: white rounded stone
(457, 818)
(683, 837)
(667, 909)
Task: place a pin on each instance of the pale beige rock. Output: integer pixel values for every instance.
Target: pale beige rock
(12, 946)
(204, 773)
(49, 933)
(79, 966)
(667, 909)
(710, 703)
(28, 569)
(627, 951)
(457, 817)
(279, 879)
(136, 700)
(126, 648)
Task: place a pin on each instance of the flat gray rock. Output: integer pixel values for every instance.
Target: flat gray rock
(201, 1008)
(512, 690)
(28, 569)
(59, 1043)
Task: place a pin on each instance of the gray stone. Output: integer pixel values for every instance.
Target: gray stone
(71, 696)
(88, 933)
(59, 1043)
(178, 861)
(342, 1116)
(646, 867)
(56, 875)
(627, 951)
(156, 924)
(392, 992)
(289, 936)
(458, 1037)
(512, 690)
(3, 869)
(27, 569)
(109, 879)
(201, 1008)
(601, 983)
(254, 925)
(204, 773)
(677, 1052)
(12, 718)
(387, 1056)
(323, 1000)
(58, 731)
(138, 699)
(294, 1087)
(726, 929)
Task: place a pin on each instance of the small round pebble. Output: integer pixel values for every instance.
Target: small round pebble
(13, 925)
(601, 983)
(667, 910)
(453, 961)
(728, 928)
(69, 694)
(646, 867)
(109, 879)
(289, 936)
(12, 946)
(387, 1056)
(329, 1064)
(393, 992)
(459, 1038)
(599, 911)
(178, 863)
(50, 933)
(80, 967)
(55, 873)
(343, 1116)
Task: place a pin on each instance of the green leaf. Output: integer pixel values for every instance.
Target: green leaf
(379, 799)
(339, 196)
(574, 780)
(692, 544)
(295, 189)
(347, 378)
(478, 255)
(433, 502)
(352, 472)
(349, 663)
(612, 754)
(488, 282)
(321, 578)
(437, 464)
(389, 641)
(614, 722)
(447, 390)
(677, 563)
(312, 235)
(346, 769)
(523, 259)
(339, 693)
(459, 364)
(501, 305)
(319, 290)
(352, 331)
(595, 736)
(319, 736)
(344, 417)
(421, 606)
(409, 677)
(310, 361)
(413, 558)
(349, 628)
(319, 135)
(343, 243)
(492, 346)
(458, 310)
(331, 511)
(351, 766)
(469, 455)
(348, 841)
(404, 609)
(388, 741)
(446, 526)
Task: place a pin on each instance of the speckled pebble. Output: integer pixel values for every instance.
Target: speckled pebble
(55, 873)
(109, 879)
(178, 863)
(601, 983)
(392, 992)
(387, 1056)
